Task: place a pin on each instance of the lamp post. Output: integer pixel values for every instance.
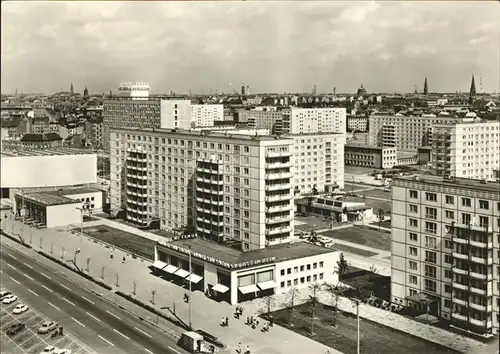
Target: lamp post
(356, 303)
(190, 300)
(85, 206)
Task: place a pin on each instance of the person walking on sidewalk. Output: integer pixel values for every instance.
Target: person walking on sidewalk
(238, 350)
(247, 351)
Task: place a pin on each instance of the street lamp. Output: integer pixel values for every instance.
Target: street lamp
(189, 299)
(356, 302)
(85, 206)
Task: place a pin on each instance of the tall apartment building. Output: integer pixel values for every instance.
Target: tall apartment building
(404, 133)
(230, 188)
(134, 90)
(357, 123)
(466, 149)
(445, 249)
(204, 115)
(260, 119)
(93, 133)
(318, 161)
(175, 114)
(314, 120)
(127, 112)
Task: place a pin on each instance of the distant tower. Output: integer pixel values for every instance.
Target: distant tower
(416, 89)
(243, 89)
(334, 90)
(426, 89)
(86, 93)
(248, 90)
(472, 91)
(314, 90)
(71, 89)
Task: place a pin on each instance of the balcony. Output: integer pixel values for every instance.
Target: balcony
(277, 187)
(209, 180)
(460, 271)
(278, 198)
(481, 244)
(481, 260)
(459, 301)
(131, 184)
(207, 170)
(278, 230)
(479, 276)
(459, 316)
(279, 175)
(278, 153)
(473, 227)
(278, 220)
(479, 307)
(480, 323)
(137, 202)
(460, 255)
(277, 164)
(137, 168)
(460, 240)
(460, 286)
(477, 291)
(278, 208)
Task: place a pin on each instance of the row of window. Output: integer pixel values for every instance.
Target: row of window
(302, 268)
(450, 199)
(303, 280)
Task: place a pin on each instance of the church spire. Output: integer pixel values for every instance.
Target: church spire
(71, 89)
(426, 89)
(472, 87)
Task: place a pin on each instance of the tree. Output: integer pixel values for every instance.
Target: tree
(341, 266)
(269, 301)
(380, 216)
(314, 190)
(292, 293)
(313, 237)
(335, 293)
(313, 301)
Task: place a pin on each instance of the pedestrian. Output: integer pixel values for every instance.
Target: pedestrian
(227, 321)
(123, 259)
(238, 350)
(241, 311)
(247, 351)
(248, 320)
(223, 322)
(271, 321)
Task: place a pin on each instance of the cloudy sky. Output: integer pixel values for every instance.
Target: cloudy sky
(273, 46)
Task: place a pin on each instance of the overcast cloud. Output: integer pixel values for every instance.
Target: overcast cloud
(271, 46)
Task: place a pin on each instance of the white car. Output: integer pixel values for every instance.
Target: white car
(62, 351)
(9, 299)
(49, 349)
(20, 309)
(4, 294)
(46, 327)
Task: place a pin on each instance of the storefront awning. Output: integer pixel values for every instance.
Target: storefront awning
(270, 284)
(159, 264)
(194, 278)
(170, 269)
(220, 288)
(182, 273)
(248, 289)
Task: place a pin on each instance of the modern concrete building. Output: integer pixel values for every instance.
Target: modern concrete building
(204, 115)
(261, 119)
(175, 114)
(134, 90)
(318, 162)
(357, 123)
(370, 156)
(225, 187)
(445, 249)
(403, 133)
(94, 134)
(230, 275)
(314, 120)
(467, 149)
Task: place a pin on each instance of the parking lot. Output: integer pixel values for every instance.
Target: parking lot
(28, 341)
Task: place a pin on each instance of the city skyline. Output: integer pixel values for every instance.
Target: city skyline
(270, 46)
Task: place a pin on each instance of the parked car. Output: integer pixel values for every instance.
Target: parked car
(9, 299)
(20, 309)
(4, 294)
(62, 351)
(15, 329)
(49, 349)
(47, 327)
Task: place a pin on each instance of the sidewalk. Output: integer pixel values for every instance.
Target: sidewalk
(206, 313)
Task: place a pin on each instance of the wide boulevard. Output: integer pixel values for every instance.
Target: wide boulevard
(95, 321)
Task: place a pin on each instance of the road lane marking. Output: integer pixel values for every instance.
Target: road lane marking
(14, 280)
(54, 306)
(149, 351)
(47, 288)
(121, 334)
(174, 350)
(45, 275)
(27, 265)
(104, 339)
(92, 302)
(31, 291)
(81, 324)
(11, 256)
(140, 330)
(112, 314)
(68, 301)
(95, 318)
(64, 286)
(8, 265)
(27, 276)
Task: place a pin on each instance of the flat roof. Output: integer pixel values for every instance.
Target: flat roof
(58, 197)
(280, 253)
(489, 186)
(45, 152)
(78, 191)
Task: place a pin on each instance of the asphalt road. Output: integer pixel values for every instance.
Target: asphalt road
(93, 320)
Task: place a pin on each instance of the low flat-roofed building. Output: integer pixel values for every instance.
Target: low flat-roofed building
(424, 155)
(41, 141)
(231, 275)
(370, 156)
(338, 208)
(57, 208)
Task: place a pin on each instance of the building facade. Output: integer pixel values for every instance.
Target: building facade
(318, 162)
(370, 156)
(234, 188)
(134, 90)
(314, 120)
(466, 149)
(357, 123)
(261, 119)
(404, 133)
(445, 249)
(204, 115)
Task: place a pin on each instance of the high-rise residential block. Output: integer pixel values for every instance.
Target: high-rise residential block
(445, 249)
(204, 115)
(404, 133)
(314, 120)
(223, 187)
(466, 149)
(175, 114)
(261, 119)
